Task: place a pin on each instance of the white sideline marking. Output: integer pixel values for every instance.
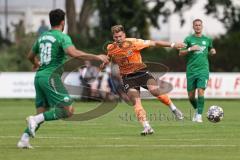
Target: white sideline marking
(133, 146)
(118, 138)
(49, 137)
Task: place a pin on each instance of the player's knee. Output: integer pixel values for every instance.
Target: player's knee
(64, 112)
(155, 92)
(69, 111)
(191, 96)
(133, 96)
(201, 92)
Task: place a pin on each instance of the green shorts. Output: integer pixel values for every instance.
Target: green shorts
(194, 82)
(51, 92)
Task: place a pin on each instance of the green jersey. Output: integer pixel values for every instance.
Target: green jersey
(197, 61)
(50, 49)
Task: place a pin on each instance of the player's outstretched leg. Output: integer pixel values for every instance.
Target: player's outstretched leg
(155, 91)
(35, 121)
(167, 101)
(24, 141)
(140, 113)
(142, 118)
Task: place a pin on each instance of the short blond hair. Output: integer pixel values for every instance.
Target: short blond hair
(197, 20)
(117, 28)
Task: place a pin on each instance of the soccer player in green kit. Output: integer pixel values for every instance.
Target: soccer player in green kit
(52, 100)
(198, 48)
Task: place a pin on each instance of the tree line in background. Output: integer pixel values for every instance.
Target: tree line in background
(90, 34)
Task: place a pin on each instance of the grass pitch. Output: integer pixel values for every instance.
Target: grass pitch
(116, 135)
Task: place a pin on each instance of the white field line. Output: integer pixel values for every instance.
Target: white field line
(116, 138)
(138, 146)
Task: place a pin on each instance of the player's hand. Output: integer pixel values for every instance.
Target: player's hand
(195, 48)
(102, 66)
(103, 58)
(179, 45)
(213, 51)
(36, 66)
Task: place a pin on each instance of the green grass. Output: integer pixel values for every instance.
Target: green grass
(116, 134)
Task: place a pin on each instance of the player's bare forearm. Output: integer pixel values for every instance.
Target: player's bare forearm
(73, 52)
(176, 45)
(86, 56)
(33, 58)
(190, 49)
(161, 43)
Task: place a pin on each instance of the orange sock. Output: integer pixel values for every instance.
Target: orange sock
(140, 113)
(165, 99)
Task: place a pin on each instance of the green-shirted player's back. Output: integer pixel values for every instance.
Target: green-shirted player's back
(50, 48)
(197, 61)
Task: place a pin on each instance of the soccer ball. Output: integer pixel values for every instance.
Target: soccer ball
(215, 114)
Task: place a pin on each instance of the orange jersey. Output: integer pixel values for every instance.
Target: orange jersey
(128, 56)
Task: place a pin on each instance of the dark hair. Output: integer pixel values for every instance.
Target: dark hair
(197, 20)
(117, 28)
(56, 16)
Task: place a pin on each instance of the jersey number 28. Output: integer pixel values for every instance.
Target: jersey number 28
(45, 55)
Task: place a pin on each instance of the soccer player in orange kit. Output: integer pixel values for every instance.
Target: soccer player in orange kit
(125, 52)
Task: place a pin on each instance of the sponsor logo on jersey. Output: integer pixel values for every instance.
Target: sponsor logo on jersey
(202, 48)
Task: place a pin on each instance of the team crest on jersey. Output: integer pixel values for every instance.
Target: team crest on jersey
(204, 42)
(129, 52)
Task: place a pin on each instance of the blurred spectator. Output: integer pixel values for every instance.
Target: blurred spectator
(115, 82)
(96, 86)
(8, 36)
(19, 31)
(1, 38)
(114, 78)
(42, 28)
(103, 86)
(6, 40)
(87, 74)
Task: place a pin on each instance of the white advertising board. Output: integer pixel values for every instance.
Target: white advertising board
(220, 85)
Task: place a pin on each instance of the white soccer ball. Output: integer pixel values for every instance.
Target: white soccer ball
(215, 114)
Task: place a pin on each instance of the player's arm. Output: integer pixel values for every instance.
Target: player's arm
(183, 52)
(32, 57)
(177, 45)
(212, 50)
(73, 52)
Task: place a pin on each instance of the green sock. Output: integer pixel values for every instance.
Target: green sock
(28, 132)
(55, 114)
(200, 104)
(193, 102)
